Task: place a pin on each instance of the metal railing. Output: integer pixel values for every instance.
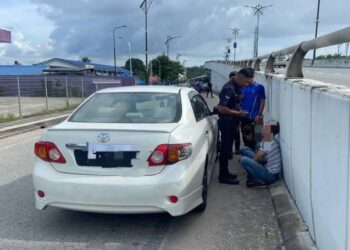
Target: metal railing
(298, 52)
(22, 96)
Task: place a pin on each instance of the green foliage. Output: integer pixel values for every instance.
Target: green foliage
(138, 67)
(169, 69)
(85, 59)
(195, 71)
(330, 56)
(7, 117)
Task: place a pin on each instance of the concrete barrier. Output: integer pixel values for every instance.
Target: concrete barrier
(315, 144)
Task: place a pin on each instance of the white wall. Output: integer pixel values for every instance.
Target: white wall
(315, 144)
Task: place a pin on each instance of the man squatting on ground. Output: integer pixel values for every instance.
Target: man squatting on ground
(264, 165)
(229, 114)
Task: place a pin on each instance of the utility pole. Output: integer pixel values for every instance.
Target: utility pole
(114, 49)
(145, 5)
(159, 70)
(228, 48)
(167, 43)
(258, 11)
(339, 45)
(129, 46)
(316, 30)
(184, 62)
(235, 33)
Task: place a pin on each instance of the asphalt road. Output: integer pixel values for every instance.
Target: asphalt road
(340, 76)
(236, 217)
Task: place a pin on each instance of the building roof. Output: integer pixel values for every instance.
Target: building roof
(11, 70)
(96, 66)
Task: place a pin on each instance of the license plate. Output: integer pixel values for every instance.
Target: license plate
(94, 148)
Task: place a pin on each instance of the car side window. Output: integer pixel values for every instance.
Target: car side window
(199, 107)
(205, 105)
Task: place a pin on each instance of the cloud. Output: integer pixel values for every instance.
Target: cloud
(84, 27)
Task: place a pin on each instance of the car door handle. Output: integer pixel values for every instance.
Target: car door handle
(206, 132)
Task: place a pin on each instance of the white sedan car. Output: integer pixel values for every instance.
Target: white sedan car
(129, 150)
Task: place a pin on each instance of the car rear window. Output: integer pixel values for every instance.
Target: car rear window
(130, 108)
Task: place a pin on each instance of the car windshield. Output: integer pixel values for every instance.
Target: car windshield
(130, 108)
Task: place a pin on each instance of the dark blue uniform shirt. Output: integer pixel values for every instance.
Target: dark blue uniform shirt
(229, 97)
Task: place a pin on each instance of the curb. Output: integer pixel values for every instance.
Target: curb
(294, 231)
(43, 123)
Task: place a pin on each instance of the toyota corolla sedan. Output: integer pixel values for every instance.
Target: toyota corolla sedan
(129, 150)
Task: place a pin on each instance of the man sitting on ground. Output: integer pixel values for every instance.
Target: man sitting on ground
(262, 167)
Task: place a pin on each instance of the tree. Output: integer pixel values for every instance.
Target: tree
(195, 71)
(170, 70)
(138, 67)
(85, 59)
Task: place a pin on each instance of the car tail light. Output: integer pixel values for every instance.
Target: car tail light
(48, 151)
(167, 154)
(173, 199)
(41, 194)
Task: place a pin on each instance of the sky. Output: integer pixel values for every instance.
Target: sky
(71, 29)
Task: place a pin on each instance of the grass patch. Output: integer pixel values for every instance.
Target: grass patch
(9, 117)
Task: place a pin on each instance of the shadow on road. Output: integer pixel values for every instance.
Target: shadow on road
(20, 220)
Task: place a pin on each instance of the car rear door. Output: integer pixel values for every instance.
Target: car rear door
(205, 121)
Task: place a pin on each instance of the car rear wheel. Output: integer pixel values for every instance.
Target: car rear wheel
(203, 206)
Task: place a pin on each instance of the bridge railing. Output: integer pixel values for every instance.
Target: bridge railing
(298, 52)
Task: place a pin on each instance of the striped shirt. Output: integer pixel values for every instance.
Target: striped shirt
(273, 158)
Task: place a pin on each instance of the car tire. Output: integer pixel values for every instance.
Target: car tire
(203, 206)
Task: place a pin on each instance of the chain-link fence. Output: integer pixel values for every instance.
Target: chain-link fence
(22, 96)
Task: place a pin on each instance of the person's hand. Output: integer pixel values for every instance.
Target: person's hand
(242, 113)
(259, 119)
(259, 156)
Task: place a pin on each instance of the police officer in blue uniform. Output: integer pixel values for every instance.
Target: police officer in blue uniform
(229, 115)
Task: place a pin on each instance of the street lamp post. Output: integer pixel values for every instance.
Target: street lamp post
(145, 5)
(159, 70)
(235, 33)
(184, 62)
(129, 45)
(167, 43)
(258, 11)
(316, 30)
(115, 63)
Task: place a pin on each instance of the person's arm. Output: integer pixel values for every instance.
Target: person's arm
(225, 97)
(227, 111)
(259, 117)
(262, 106)
(259, 156)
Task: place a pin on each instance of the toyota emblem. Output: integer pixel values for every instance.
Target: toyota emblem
(103, 137)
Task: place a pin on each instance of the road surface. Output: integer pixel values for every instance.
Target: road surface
(236, 217)
(340, 76)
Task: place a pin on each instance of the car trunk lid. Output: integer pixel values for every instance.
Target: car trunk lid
(108, 149)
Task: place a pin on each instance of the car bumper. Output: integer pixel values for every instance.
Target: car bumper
(115, 194)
